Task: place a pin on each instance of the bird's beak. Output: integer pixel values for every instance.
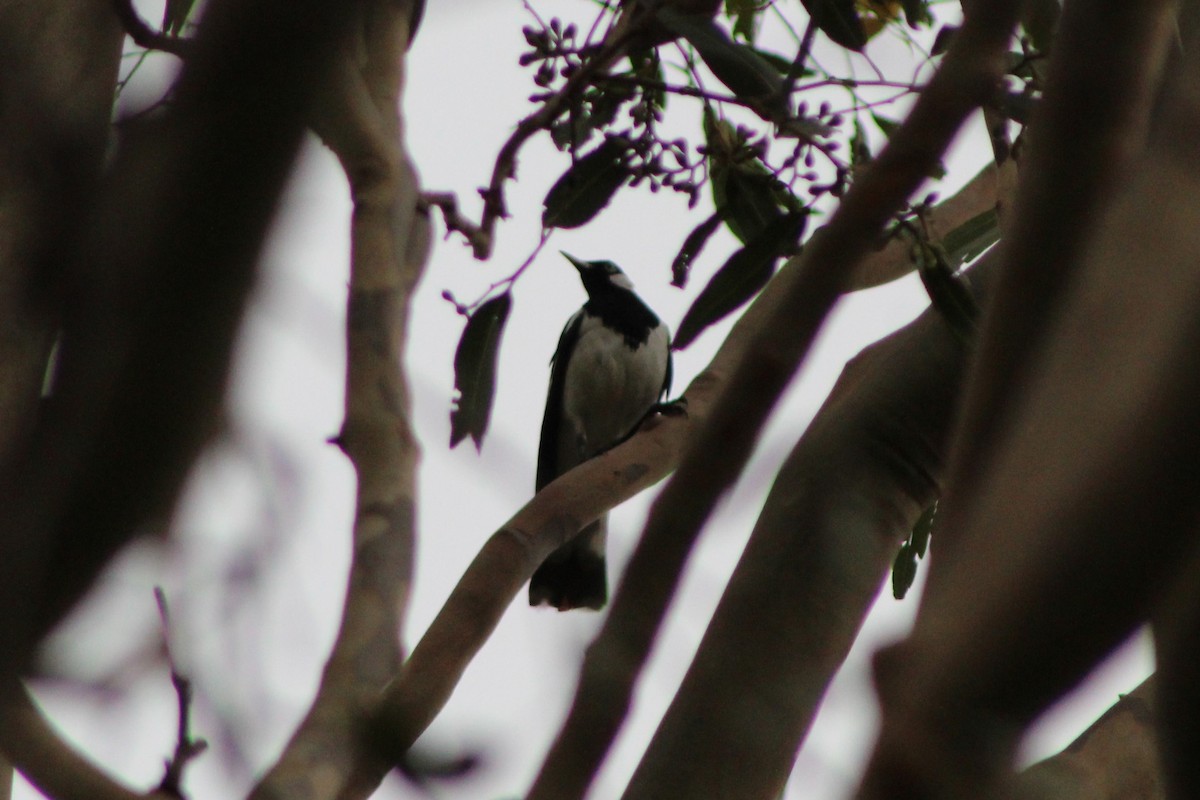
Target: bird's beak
(575, 262)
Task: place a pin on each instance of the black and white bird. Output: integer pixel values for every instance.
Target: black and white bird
(612, 365)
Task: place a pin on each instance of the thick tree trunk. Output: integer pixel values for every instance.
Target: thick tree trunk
(847, 496)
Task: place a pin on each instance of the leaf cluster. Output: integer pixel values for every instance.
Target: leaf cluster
(770, 150)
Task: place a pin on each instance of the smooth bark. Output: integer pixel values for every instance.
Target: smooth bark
(867, 465)
(1087, 513)
(358, 116)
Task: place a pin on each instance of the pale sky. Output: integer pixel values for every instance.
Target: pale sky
(276, 487)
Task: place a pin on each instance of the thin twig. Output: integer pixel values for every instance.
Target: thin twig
(494, 207)
(145, 36)
(802, 54)
(447, 203)
(186, 748)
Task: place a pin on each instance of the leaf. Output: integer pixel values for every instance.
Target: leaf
(875, 15)
(691, 248)
(904, 571)
(888, 126)
(738, 66)
(645, 67)
(175, 15)
(1017, 106)
(904, 567)
(741, 276)
(860, 148)
(587, 186)
(838, 20)
(922, 530)
(475, 370)
(968, 241)
(782, 64)
(916, 13)
(947, 292)
(745, 193)
(744, 14)
(748, 201)
(943, 40)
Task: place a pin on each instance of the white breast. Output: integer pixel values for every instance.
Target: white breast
(608, 388)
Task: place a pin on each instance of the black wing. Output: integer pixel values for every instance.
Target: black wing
(547, 466)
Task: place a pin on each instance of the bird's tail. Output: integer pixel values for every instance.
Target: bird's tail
(574, 575)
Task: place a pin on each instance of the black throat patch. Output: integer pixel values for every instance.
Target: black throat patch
(624, 312)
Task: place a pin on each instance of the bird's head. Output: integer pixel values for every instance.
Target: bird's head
(600, 276)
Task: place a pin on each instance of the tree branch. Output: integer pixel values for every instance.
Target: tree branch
(46, 761)
(505, 168)
(156, 278)
(359, 118)
(867, 465)
(1099, 444)
(990, 189)
(1091, 121)
(58, 62)
(1116, 758)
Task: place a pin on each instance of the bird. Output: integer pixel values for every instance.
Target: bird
(611, 368)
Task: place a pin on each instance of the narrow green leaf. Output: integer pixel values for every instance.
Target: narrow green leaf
(175, 15)
(691, 248)
(1017, 106)
(741, 276)
(749, 203)
(475, 370)
(782, 64)
(739, 66)
(888, 126)
(947, 292)
(838, 20)
(744, 14)
(745, 193)
(860, 148)
(916, 13)
(904, 567)
(941, 42)
(587, 186)
(922, 530)
(968, 241)
(904, 571)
